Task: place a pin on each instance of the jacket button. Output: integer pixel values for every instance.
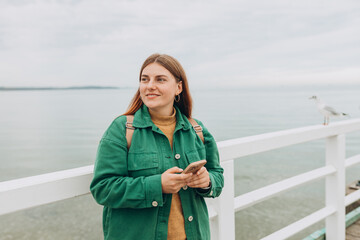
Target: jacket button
(190, 218)
(185, 187)
(155, 203)
(177, 156)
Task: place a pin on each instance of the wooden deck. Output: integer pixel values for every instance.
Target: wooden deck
(353, 231)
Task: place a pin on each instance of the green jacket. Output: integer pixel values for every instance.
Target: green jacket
(128, 182)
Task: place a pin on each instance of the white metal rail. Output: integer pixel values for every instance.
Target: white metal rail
(34, 191)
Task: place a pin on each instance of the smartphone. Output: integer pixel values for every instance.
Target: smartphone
(194, 166)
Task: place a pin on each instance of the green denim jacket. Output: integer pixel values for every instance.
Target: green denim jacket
(128, 182)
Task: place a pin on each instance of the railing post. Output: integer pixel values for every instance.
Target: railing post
(335, 187)
(224, 206)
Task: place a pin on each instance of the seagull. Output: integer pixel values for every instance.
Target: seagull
(326, 111)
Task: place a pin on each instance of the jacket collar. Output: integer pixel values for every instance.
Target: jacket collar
(181, 120)
(142, 119)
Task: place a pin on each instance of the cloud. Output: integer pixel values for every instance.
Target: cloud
(60, 43)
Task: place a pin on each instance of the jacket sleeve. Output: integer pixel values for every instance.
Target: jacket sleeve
(212, 166)
(111, 185)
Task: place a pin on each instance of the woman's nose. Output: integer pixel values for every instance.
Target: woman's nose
(151, 84)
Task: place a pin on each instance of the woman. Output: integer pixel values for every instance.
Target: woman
(140, 185)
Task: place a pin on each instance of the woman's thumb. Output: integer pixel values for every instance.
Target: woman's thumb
(174, 170)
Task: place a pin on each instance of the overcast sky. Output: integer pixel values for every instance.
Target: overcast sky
(219, 43)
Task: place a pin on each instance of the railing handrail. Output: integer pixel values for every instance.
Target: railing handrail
(240, 147)
(45, 178)
(37, 190)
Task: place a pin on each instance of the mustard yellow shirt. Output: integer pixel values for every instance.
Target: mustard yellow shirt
(176, 224)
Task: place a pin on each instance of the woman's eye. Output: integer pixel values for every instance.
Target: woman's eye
(161, 79)
(143, 79)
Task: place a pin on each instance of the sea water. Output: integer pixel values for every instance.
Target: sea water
(46, 131)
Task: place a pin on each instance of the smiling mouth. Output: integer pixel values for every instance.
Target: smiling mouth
(152, 95)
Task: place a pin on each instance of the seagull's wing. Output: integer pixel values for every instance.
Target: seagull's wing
(331, 110)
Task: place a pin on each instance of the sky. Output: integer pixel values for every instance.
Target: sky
(219, 43)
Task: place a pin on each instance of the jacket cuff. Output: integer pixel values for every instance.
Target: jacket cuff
(206, 192)
(154, 196)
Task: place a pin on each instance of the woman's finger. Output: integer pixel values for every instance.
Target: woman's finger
(199, 182)
(201, 171)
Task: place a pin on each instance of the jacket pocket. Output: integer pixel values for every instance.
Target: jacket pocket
(143, 164)
(196, 155)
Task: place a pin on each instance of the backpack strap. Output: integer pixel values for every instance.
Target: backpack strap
(198, 129)
(129, 129)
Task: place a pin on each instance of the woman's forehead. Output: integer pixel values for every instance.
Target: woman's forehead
(155, 69)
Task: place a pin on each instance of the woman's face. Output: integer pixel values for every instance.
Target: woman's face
(158, 88)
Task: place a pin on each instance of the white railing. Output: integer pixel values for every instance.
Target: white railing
(38, 190)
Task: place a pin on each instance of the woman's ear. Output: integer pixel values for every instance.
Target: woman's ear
(180, 88)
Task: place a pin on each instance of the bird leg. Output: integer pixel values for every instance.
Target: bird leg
(326, 121)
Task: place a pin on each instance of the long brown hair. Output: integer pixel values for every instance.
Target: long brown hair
(175, 68)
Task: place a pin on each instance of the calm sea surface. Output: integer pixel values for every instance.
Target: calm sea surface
(46, 131)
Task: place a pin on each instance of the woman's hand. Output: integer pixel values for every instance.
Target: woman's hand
(172, 182)
(199, 180)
